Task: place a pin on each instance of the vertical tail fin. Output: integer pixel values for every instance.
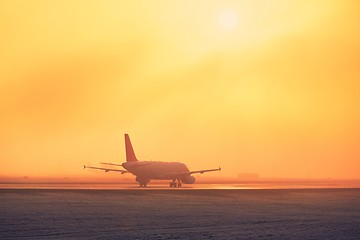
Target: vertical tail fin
(130, 154)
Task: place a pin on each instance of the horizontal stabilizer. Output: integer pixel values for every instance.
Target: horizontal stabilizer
(107, 169)
(111, 164)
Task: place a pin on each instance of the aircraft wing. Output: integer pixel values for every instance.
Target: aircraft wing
(202, 171)
(107, 169)
(180, 174)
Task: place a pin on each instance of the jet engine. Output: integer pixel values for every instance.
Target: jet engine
(188, 179)
(142, 180)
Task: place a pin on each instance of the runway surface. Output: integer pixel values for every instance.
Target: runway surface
(179, 214)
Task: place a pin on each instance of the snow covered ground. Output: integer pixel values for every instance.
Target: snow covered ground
(180, 214)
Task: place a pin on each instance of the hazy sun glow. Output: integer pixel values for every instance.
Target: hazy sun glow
(266, 87)
(228, 19)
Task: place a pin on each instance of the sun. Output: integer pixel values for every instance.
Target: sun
(228, 20)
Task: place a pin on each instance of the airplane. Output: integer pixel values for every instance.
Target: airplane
(147, 170)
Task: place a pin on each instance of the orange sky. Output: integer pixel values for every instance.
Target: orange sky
(268, 87)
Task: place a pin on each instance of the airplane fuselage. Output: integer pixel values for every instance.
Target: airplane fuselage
(155, 170)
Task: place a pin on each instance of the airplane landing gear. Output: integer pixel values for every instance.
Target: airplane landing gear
(175, 183)
(179, 183)
(143, 184)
